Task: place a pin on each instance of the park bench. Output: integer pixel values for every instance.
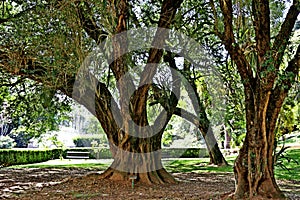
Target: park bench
(78, 154)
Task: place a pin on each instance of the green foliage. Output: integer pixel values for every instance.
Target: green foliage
(289, 116)
(97, 148)
(6, 142)
(93, 127)
(88, 140)
(17, 157)
(237, 138)
(282, 157)
(100, 153)
(31, 108)
(167, 139)
(180, 129)
(184, 153)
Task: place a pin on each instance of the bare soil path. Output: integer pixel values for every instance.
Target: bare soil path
(40, 184)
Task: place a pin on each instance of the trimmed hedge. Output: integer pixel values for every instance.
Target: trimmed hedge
(10, 157)
(184, 153)
(104, 153)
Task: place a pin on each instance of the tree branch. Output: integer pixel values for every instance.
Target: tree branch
(89, 24)
(120, 43)
(282, 88)
(232, 47)
(92, 94)
(189, 117)
(167, 15)
(168, 11)
(216, 20)
(261, 13)
(282, 38)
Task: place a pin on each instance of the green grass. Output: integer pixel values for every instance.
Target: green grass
(198, 165)
(69, 164)
(290, 169)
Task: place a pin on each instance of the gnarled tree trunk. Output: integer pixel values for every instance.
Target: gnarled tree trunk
(265, 90)
(141, 158)
(254, 167)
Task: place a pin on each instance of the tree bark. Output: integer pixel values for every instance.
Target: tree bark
(254, 166)
(141, 158)
(134, 144)
(264, 92)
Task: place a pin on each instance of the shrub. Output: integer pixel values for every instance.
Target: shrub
(184, 152)
(18, 157)
(86, 140)
(6, 142)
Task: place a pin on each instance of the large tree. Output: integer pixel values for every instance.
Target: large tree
(51, 49)
(47, 41)
(266, 80)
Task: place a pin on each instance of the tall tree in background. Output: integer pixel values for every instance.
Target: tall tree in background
(193, 21)
(266, 83)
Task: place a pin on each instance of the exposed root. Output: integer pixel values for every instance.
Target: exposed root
(160, 176)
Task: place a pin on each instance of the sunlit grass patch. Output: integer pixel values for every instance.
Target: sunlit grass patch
(66, 163)
(291, 170)
(290, 167)
(195, 165)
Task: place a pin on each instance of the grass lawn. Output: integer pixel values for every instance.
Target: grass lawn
(289, 170)
(70, 163)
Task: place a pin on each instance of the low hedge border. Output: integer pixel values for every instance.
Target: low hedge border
(104, 153)
(10, 157)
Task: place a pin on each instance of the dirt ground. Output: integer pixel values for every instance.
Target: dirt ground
(42, 184)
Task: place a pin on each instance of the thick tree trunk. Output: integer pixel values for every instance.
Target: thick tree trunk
(141, 158)
(254, 175)
(254, 167)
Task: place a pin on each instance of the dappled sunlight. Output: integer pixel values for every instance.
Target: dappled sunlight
(76, 178)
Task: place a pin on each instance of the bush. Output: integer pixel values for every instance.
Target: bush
(86, 141)
(21, 139)
(184, 153)
(6, 142)
(18, 157)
